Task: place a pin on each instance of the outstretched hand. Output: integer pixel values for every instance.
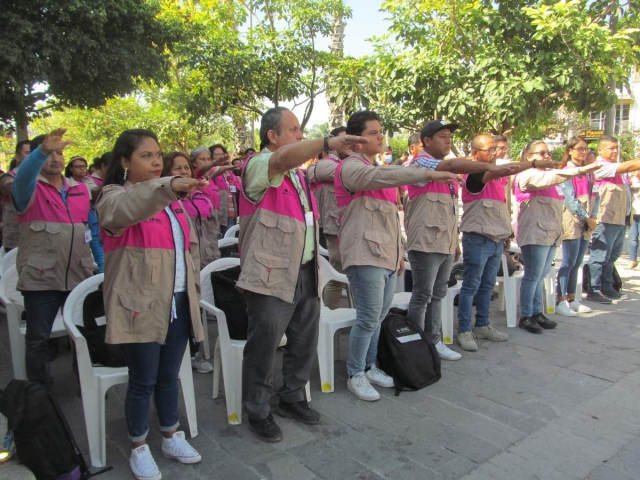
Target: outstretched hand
(504, 170)
(441, 177)
(346, 141)
(186, 185)
(223, 160)
(53, 141)
(547, 164)
(589, 168)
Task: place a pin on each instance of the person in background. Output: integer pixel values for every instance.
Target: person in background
(95, 182)
(321, 174)
(204, 218)
(634, 229)
(247, 152)
(150, 289)
(227, 183)
(77, 168)
(540, 203)
(371, 244)
(10, 228)
(502, 147)
(205, 168)
(54, 255)
(578, 223)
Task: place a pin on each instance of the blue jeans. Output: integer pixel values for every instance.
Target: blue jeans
(481, 258)
(572, 255)
(634, 230)
(372, 289)
(96, 243)
(606, 246)
(153, 369)
(537, 261)
(41, 309)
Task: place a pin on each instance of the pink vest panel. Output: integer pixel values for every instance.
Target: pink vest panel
(493, 190)
(47, 205)
(416, 190)
(152, 233)
(212, 192)
(97, 180)
(554, 192)
(198, 206)
(617, 180)
(344, 198)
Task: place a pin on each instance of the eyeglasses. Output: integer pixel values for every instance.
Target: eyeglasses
(488, 150)
(542, 153)
(500, 147)
(81, 167)
(581, 149)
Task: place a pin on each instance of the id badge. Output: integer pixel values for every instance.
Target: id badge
(232, 188)
(87, 236)
(308, 218)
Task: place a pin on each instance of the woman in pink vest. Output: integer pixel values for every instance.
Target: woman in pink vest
(540, 201)
(150, 289)
(578, 221)
(228, 184)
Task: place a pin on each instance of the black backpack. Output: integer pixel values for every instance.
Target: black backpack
(406, 354)
(94, 331)
(44, 441)
(586, 279)
(231, 301)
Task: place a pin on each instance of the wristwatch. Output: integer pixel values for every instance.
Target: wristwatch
(326, 143)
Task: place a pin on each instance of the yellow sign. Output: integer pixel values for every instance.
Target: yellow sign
(591, 133)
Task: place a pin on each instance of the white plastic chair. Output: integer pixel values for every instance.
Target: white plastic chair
(227, 241)
(2, 252)
(330, 322)
(447, 313)
(14, 305)
(323, 251)
(509, 292)
(95, 381)
(232, 232)
(8, 260)
(227, 351)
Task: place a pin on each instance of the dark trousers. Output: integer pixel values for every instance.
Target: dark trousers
(606, 246)
(41, 309)
(153, 369)
(269, 319)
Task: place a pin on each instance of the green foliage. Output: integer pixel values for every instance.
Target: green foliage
(317, 131)
(79, 53)
(629, 146)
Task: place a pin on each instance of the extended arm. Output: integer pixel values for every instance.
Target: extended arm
(540, 179)
(24, 185)
(357, 176)
(572, 203)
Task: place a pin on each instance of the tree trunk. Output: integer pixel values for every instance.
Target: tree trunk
(239, 133)
(336, 112)
(22, 124)
(610, 117)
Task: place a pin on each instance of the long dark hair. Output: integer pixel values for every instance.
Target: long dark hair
(125, 145)
(571, 143)
(167, 162)
(67, 170)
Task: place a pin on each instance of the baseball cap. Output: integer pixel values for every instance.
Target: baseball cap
(435, 126)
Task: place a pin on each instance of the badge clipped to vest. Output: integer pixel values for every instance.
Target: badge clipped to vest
(308, 218)
(232, 188)
(87, 236)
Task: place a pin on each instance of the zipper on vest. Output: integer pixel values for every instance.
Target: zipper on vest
(66, 276)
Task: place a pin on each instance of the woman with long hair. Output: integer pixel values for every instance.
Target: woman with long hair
(150, 289)
(578, 221)
(540, 201)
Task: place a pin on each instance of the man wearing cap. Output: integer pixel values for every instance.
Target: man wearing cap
(486, 233)
(431, 224)
(321, 174)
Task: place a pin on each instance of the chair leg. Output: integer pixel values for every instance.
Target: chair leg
(325, 357)
(216, 369)
(205, 328)
(511, 302)
(186, 382)
(447, 317)
(307, 389)
(232, 373)
(94, 419)
(502, 302)
(550, 291)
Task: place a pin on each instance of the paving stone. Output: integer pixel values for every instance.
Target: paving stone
(413, 471)
(603, 472)
(456, 468)
(366, 475)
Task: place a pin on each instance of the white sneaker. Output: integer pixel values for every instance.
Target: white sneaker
(143, 465)
(359, 385)
(378, 377)
(564, 309)
(179, 449)
(200, 365)
(446, 353)
(576, 306)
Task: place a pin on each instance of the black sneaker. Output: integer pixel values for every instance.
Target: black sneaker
(612, 294)
(598, 298)
(544, 322)
(530, 325)
(266, 430)
(300, 411)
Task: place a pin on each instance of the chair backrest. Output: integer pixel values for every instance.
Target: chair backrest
(227, 242)
(72, 310)
(323, 251)
(328, 273)
(232, 232)
(3, 252)
(9, 260)
(206, 289)
(8, 283)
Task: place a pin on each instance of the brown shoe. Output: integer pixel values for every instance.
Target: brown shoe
(631, 265)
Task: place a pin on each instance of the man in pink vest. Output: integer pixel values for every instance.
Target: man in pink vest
(321, 174)
(10, 229)
(486, 233)
(615, 204)
(54, 255)
(371, 244)
(431, 222)
(278, 244)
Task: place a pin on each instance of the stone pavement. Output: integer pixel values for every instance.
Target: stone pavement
(561, 405)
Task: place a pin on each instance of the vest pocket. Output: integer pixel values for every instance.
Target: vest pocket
(432, 232)
(278, 231)
(45, 267)
(136, 306)
(273, 268)
(376, 240)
